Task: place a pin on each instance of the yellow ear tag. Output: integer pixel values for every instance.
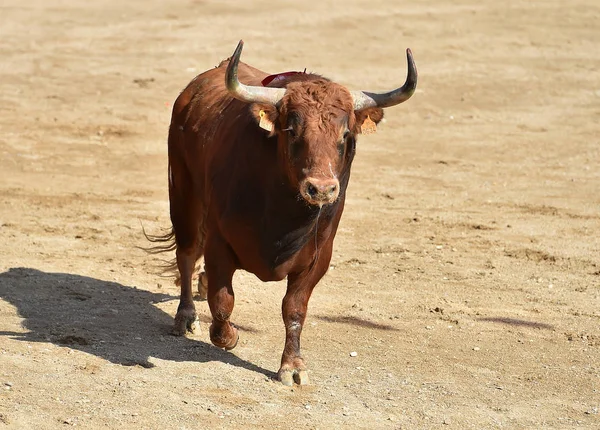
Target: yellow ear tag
(265, 123)
(368, 126)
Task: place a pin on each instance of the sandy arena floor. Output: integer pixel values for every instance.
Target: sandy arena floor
(466, 271)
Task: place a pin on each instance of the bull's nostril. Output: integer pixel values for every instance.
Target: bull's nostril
(311, 190)
(332, 189)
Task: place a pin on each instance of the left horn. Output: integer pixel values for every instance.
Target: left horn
(364, 99)
(248, 93)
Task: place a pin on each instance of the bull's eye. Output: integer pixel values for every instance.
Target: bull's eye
(293, 140)
(341, 146)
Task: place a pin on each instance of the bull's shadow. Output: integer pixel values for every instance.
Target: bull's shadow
(107, 319)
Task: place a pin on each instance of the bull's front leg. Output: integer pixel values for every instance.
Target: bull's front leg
(294, 307)
(220, 267)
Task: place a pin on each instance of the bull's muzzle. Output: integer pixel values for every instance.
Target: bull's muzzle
(320, 191)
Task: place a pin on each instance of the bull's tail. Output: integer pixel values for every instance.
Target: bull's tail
(163, 243)
(166, 243)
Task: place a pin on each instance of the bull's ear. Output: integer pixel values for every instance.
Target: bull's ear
(366, 120)
(266, 116)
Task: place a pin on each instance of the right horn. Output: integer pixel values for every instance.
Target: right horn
(364, 99)
(248, 93)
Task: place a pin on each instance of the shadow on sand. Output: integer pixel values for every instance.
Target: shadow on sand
(106, 319)
(518, 322)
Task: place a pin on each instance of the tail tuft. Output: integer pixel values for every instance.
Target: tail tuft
(164, 243)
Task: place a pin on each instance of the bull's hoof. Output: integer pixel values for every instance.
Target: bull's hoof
(202, 286)
(289, 376)
(234, 344)
(186, 321)
(226, 341)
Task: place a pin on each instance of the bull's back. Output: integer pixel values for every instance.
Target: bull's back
(205, 120)
(205, 98)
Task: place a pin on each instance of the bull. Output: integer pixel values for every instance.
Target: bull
(257, 175)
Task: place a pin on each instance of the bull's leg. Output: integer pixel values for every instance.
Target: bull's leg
(294, 307)
(185, 217)
(186, 318)
(203, 285)
(220, 266)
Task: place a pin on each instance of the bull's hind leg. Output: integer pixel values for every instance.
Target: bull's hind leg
(186, 319)
(220, 264)
(294, 308)
(203, 285)
(186, 217)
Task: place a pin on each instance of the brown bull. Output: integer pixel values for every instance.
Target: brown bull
(257, 181)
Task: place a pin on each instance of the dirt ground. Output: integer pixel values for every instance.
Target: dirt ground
(466, 271)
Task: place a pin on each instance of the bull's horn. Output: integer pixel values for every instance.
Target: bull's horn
(248, 93)
(364, 99)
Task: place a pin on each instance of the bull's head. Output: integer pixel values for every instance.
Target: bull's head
(316, 122)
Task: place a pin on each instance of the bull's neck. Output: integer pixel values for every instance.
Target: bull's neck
(290, 223)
